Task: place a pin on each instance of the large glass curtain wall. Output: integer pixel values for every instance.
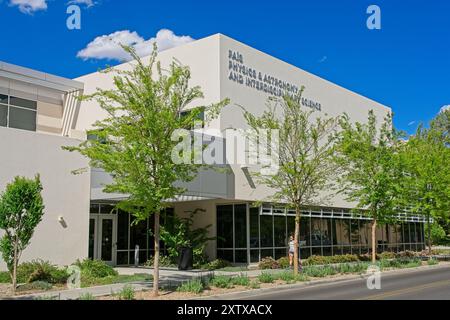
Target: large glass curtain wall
(269, 233)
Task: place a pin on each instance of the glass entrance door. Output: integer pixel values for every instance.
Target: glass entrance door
(103, 238)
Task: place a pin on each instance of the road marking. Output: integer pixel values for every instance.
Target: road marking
(407, 290)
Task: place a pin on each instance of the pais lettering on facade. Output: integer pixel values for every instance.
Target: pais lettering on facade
(243, 74)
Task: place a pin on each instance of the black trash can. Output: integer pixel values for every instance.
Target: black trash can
(185, 258)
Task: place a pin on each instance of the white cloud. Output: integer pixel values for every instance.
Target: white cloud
(87, 3)
(411, 123)
(29, 6)
(108, 46)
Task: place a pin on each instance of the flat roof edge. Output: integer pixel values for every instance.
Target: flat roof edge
(39, 78)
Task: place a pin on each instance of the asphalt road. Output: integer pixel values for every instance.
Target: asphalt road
(425, 284)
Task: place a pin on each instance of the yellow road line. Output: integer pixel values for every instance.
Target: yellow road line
(407, 290)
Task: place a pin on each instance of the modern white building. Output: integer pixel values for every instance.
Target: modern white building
(223, 68)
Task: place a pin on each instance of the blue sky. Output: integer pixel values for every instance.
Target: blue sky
(405, 65)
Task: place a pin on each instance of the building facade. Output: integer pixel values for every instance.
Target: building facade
(223, 68)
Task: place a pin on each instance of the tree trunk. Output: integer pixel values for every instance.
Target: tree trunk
(430, 252)
(14, 275)
(374, 240)
(156, 258)
(296, 237)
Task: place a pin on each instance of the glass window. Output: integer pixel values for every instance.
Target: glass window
(316, 233)
(355, 232)
(240, 226)
(24, 103)
(240, 256)
(266, 225)
(225, 227)
(343, 231)
(122, 230)
(3, 115)
(225, 255)
(305, 231)
(91, 238)
(3, 99)
(280, 231)
(138, 234)
(254, 228)
(107, 209)
(22, 119)
(326, 232)
(94, 209)
(254, 256)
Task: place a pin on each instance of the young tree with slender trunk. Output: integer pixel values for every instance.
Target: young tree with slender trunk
(304, 150)
(21, 210)
(367, 154)
(426, 183)
(134, 143)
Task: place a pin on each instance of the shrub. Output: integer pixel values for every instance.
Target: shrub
(127, 293)
(283, 262)
(254, 285)
(432, 262)
(5, 277)
(286, 276)
(217, 264)
(241, 280)
(315, 260)
(406, 254)
(301, 277)
(222, 282)
(193, 286)
(37, 285)
(95, 269)
(319, 272)
(266, 277)
(164, 261)
(386, 255)
(40, 270)
(86, 296)
(268, 263)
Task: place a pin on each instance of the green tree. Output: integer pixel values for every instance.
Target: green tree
(426, 183)
(134, 142)
(367, 155)
(304, 151)
(21, 210)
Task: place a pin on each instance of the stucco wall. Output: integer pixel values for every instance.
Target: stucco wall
(28, 153)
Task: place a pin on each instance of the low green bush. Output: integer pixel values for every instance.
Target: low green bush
(266, 277)
(319, 271)
(268, 263)
(193, 286)
(40, 270)
(127, 293)
(386, 255)
(222, 282)
(241, 280)
(86, 296)
(95, 268)
(217, 264)
(254, 285)
(301, 277)
(35, 286)
(432, 262)
(164, 261)
(283, 262)
(287, 276)
(5, 277)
